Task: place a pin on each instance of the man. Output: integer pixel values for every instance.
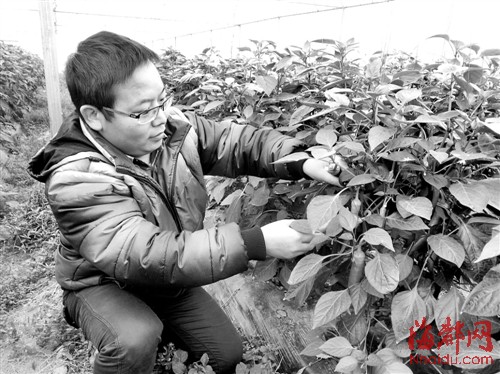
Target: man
(125, 180)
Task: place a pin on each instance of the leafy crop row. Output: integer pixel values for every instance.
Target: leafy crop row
(414, 232)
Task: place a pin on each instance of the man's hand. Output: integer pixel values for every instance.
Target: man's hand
(322, 171)
(284, 242)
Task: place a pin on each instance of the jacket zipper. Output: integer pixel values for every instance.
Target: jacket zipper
(164, 198)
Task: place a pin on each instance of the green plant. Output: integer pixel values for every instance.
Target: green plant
(415, 230)
(21, 74)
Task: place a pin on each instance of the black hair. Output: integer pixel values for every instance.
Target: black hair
(101, 62)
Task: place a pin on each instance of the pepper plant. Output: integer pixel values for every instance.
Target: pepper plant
(409, 245)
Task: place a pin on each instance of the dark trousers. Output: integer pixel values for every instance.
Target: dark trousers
(126, 327)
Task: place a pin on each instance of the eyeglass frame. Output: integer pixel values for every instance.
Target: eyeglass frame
(137, 116)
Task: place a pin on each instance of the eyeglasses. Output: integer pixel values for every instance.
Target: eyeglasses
(146, 116)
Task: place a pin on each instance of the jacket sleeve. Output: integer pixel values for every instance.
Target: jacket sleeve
(104, 229)
(231, 149)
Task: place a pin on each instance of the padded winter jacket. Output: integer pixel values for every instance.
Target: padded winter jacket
(140, 224)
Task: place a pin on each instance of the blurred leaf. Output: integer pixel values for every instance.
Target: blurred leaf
(406, 308)
(265, 270)
(484, 299)
(449, 305)
(267, 83)
(492, 248)
(212, 105)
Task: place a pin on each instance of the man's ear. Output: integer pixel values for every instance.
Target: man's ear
(92, 116)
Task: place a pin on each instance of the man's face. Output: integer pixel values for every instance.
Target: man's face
(142, 91)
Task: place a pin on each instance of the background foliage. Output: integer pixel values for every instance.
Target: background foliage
(415, 230)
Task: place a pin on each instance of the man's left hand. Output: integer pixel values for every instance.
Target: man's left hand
(322, 171)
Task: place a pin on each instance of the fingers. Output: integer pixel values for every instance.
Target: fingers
(319, 170)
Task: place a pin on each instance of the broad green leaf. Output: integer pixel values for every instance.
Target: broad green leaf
(449, 305)
(425, 118)
(472, 239)
(212, 105)
(319, 114)
(284, 63)
(326, 136)
(374, 360)
(493, 124)
(447, 248)
(346, 364)
(301, 292)
(405, 142)
(405, 265)
(313, 348)
(301, 225)
(267, 83)
(292, 157)
(436, 180)
(412, 223)
(378, 134)
(492, 248)
(384, 89)
(373, 69)
(353, 327)
(265, 270)
(248, 111)
(493, 187)
(233, 212)
(307, 267)
(406, 308)
(260, 196)
(319, 151)
(466, 156)
(408, 76)
(439, 156)
(337, 347)
(484, 299)
(361, 179)
(358, 297)
(377, 236)
(352, 146)
(271, 117)
(300, 113)
(369, 288)
(334, 228)
(329, 306)
(419, 206)
(322, 209)
(491, 52)
(348, 220)
(231, 197)
(474, 196)
(383, 273)
(391, 363)
(399, 156)
(408, 95)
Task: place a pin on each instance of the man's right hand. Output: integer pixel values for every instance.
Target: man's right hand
(284, 242)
